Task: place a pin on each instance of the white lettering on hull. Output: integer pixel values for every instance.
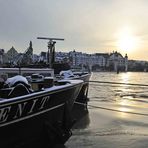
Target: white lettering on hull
(22, 109)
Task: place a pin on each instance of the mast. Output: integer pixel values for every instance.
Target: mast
(51, 49)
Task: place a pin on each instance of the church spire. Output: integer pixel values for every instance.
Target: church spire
(30, 44)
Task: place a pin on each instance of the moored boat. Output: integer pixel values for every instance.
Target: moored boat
(31, 118)
(66, 75)
(82, 98)
(85, 76)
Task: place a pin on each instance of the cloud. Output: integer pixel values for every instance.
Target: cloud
(85, 24)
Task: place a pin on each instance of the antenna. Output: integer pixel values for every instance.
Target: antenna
(50, 39)
(51, 49)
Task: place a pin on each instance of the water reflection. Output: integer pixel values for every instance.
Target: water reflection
(124, 112)
(125, 77)
(121, 126)
(125, 96)
(83, 122)
(124, 102)
(81, 116)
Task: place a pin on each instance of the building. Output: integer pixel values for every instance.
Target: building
(43, 57)
(97, 61)
(117, 62)
(28, 55)
(1, 56)
(114, 61)
(79, 58)
(62, 57)
(11, 55)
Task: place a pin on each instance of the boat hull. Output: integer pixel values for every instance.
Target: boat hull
(38, 119)
(83, 95)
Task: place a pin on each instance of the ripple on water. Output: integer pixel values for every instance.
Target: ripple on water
(110, 129)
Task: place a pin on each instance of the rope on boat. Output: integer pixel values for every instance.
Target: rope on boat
(108, 82)
(109, 109)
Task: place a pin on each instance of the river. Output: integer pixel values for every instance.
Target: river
(107, 125)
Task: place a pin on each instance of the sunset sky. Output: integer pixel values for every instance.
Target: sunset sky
(91, 26)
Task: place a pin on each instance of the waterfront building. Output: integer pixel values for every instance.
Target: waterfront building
(35, 58)
(18, 59)
(97, 61)
(43, 57)
(137, 65)
(79, 58)
(117, 62)
(101, 59)
(28, 55)
(1, 56)
(11, 55)
(62, 57)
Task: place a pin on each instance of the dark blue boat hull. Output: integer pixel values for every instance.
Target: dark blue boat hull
(35, 121)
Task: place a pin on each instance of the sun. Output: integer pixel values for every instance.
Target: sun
(127, 42)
